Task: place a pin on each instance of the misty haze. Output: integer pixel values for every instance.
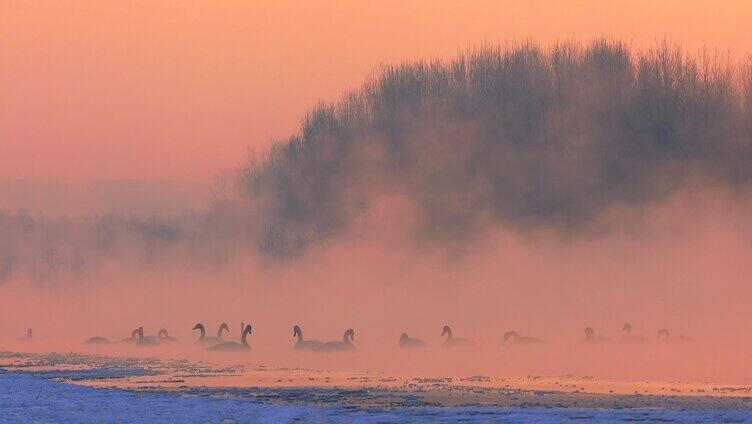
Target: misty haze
(550, 229)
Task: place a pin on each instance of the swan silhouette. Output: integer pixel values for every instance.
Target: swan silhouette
(143, 341)
(97, 340)
(345, 344)
(164, 337)
(407, 342)
(666, 337)
(590, 337)
(514, 338)
(452, 341)
(233, 346)
(27, 337)
(204, 339)
(304, 344)
(628, 337)
(133, 339)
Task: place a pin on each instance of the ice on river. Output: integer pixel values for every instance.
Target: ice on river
(43, 397)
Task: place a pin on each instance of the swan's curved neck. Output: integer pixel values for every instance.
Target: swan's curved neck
(299, 334)
(220, 330)
(245, 335)
(510, 335)
(203, 332)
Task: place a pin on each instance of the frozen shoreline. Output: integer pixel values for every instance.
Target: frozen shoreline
(27, 397)
(59, 388)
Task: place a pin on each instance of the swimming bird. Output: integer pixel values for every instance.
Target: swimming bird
(590, 337)
(144, 341)
(452, 341)
(164, 337)
(407, 342)
(233, 346)
(629, 337)
(133, 339)
(345, 344)
(666, 337)
(27, 337)
(204, 339)
(304, 344)
(514, 338)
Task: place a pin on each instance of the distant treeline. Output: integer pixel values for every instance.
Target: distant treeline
(519, 136)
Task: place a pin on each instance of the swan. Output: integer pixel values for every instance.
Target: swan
(143, 341)
(164, 337)
(452, 341)
(304, 344)
(27, 337)
(204, 339)
(514, 338)
(590, 337)
(666, 337)
(132, 339)
(98, 340)
(231, 346)
(407, 342)
(345, 344)
(629, 337)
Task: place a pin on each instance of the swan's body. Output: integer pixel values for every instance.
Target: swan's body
(590, 337)
(97, 340)
(27, 337)
(407, 342)
(452, 341)
(150, 340)
(628, 337)
(666, 337)
(233, 346)
(514, 338)
(144, 341)
(164, 337)
(204, 339)
(304, 344)
(334, 346)
(133, 339)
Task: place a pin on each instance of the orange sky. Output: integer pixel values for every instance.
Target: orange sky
(182, 89)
